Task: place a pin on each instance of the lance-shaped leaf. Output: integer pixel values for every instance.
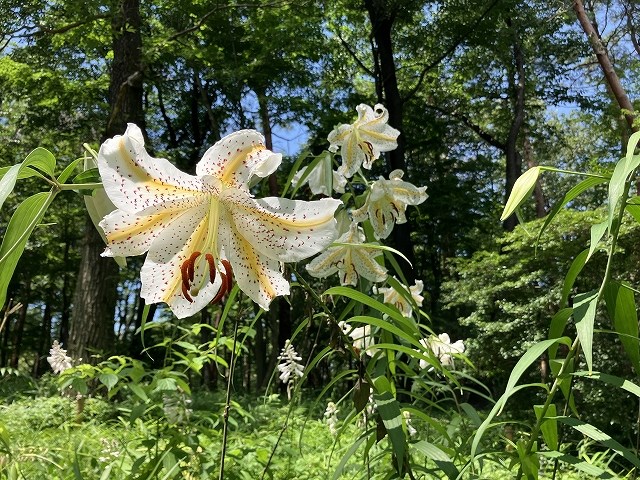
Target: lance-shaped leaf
(621, 306)
(40, 158)
(584, 314)
(28, 214)
(521, 190)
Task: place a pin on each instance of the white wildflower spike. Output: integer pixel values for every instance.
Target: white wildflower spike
(393, 297)
(362, 142)
(442, 348)
(331, 417)
(198, 230)
(361, 336)
(289, 367)
(322, 179)
(351, 262)
(407, 421)
(387, 202)
(58, 358)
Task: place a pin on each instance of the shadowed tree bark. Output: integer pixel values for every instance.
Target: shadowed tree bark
(91, 329)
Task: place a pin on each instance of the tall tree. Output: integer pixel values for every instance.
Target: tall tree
(92, 325)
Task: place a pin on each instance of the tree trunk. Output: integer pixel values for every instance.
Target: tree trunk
(92, 321)
(18, 330)
(44, 342)
(513, 158)
(382, 18)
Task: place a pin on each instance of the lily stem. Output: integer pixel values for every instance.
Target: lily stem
(227, 405)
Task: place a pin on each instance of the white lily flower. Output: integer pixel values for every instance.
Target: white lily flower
(387, 202)
(362, 142)
(442, 348)
(393, 297)
(197, 229)
(361, 336)
(350, 261)
(322, 179)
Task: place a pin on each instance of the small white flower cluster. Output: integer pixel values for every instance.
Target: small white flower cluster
(289, 367)
(110, 450)
(407, 421)
(331, 417)
(442, 348)
(175, 405)
(58, 358)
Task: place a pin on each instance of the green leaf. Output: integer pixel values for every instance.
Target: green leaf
(28, 214)
(294, 169)
(40, 158)
(549, 426)
(621, 306)
(440, 458)
(109, 380)
(138, 391)
(389, 410)
(68, 170)
(611, 380)
(349, 453)
(570, 195)
(521, 190)
(361, 393)
(556, 328)
(530, 356)
(597, 232)
(91, 175)
(578, 464)
(600, 437)
(620, 175)
(576, 267)
(584, 314)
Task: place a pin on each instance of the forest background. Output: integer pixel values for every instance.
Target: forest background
(481, 91)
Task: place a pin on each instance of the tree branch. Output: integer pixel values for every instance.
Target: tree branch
(447, 52)
(353, 55)
(629, 10)
(605, 64)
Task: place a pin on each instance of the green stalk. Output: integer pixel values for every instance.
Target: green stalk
(614, 233)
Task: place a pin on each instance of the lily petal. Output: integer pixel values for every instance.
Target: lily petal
(161, 273)
(257, 275)
(138, 183)
(282, 229)
(237, 157)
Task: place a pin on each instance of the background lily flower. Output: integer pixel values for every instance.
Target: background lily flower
(442, 348)
(322, 179)
(362, 142)
(198, 229)
(387, 202)
(361, 336)
(351, 261)
(393, 297)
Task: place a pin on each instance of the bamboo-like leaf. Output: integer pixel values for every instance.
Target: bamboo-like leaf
(28, 214)
(584, 185)
(576, 267)
(611, 380)
(349, 453)
(389, 410)
(549, 426)
(521, 190)
(584, 314)
(40, 158)
(578, 464)
(439, 457)
(556, 328)
(621, 306)
(597, 232)
(294, 169)
(620, 175)
(600, 437)
(530, 356)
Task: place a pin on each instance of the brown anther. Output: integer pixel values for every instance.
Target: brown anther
(227, 279)
(185, 292)
(192, 265)
(212, 267)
